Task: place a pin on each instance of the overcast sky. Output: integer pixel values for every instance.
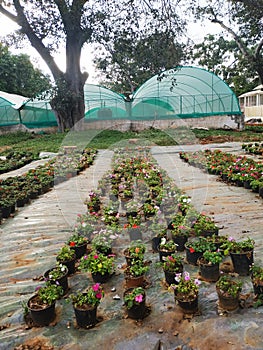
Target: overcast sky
(196, 33)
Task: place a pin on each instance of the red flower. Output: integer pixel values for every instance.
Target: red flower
(72, 244)
(135, 226)
(191, 250)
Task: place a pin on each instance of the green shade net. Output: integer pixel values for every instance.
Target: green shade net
(182, 92)
(38, 114)
(102, 103)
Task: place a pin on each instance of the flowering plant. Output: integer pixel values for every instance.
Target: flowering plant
(187, 287)
(173, 263)
(57, 272)
(231, 245)
(49, 293)
(134, 297)
(167, 245)
(136, 250)
(133, 222)
(76, 240)
(97, 263)
(91, 296)
(184, 202)
(212, 257)
(181, 230)
(200, 245)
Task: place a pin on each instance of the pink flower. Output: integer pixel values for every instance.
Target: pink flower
(186, 276)
(95, 256)
(139, 298)
(98, 295)
(96, 287)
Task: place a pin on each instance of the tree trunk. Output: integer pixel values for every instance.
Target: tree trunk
(69, 102)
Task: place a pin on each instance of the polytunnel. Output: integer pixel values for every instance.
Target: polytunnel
(184, 92)
(10, 107)
(103, 103)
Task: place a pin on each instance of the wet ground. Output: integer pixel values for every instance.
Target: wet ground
(30, 241)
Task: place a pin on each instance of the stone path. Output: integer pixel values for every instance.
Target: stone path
(30, 240)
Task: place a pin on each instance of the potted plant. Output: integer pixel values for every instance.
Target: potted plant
(93, 202)
(166, 248)
(102, 243)
(135, 273)
(205, 226)
(241, 253)
(78, 243)
(41, 305)
(180, 236)
(66, 256)
(134, 300)
(228, 290)
(135, 251)
(196, 247)
(209, 265)
(173, 264)
(133, 227)
(186, 292)
(257, 279)
(100, 266)
(184, 204)
(58, 275)
(85, 305)
(158, 230)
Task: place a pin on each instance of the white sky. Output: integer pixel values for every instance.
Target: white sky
(196, 33)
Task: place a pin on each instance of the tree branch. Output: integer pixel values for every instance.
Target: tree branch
(238, 40)
(43, 51)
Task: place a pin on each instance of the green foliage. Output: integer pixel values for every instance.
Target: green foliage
(136, 249)
(65, 254)
(233, 246)
(76, 240)
(57, 272)
(18, 75)
(213, 257)
(97, 263)
(131, 60)
(92, 296)
(229, 286)
(49, 293)
(137, 268)
(173, 263)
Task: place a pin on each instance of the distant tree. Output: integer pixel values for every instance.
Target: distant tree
(242, 20)
(223, 58)
(18, 75)
(47, 24)
(128, 62)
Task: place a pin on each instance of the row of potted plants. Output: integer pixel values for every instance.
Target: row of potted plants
(12, 160)
(241, 170)
(19, 190)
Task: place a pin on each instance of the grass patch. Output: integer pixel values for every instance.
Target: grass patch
(103, 139)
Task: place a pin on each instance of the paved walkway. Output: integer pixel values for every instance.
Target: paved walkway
(30, 240)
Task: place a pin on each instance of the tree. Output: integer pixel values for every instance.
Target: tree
(222, 57)
(48, 23)
(128, 63)
(18, 75)
(242, 20)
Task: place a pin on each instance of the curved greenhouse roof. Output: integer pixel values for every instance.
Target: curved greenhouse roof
(103, 103)
(184, 92)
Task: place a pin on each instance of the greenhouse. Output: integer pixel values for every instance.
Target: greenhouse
(180, 93)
